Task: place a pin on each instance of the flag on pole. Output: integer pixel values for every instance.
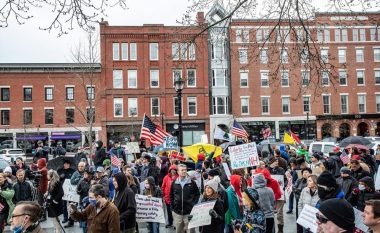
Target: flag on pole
(344, 157)
(115, 161)
(238, 130)
(266, 132)
(288, 139)
(152, 132)
(295, 138)
(221, 134)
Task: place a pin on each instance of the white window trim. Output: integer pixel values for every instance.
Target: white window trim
(196, 106)
(30, 108)
(244, 97)
(129, 86)
(309, 104)
(129, 50)
(150, 51)
(121, 51)
(122, 107)
(261, 103)
(343, 70)
(27, 86)
(365, 103)
(174, 114)
(5, 109)
(151, 106)
(69, 107)
(48, 108)
(243, 71)
(329, 94)
(113, 79)
(340, 103)
(284, 71)
(70, 86)
(363, 70)
(195, 77)
(137, 107)
(150, 78)
(282, 104)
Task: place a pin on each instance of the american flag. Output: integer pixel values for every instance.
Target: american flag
(152, 132)
(115, 161)
(344, 157)
(290, 182)
(267, 132)
(238, 130)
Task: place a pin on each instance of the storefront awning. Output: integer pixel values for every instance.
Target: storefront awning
(64, 137)
(31, 137)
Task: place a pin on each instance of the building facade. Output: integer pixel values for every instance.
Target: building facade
(348, 104)
(50, 102)
(140, 64)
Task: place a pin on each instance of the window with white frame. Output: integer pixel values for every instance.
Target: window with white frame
(376, 54)
(327, 35)
(191, 78)
(264, 77)
(153, 51)
(192, 106)
(218, 77)
(362, 34)
(132, 107)
(175, 51)
(265, 100)
(284, 78)
(132, 78)
(90, 92)
(320, 35)
(305, 75)
(133, 51)
(282, 35)
(343, 78)
(155, 106)
(325, 55)
(242, 35)
(285, 105)
(176, 106)
(304, 55)
(337, 35)
(326, 104)
(362, 103)
(264, 56)
(377, 103)
(306, 104)
(49, 93)
(183, 51)
(359, 55)
(69, 93)
(325, 78)
(262, 35)
(377, 77)
(360, 77)
(372, 34)
(243, 56)
(245, 35)
(244, 103)
(192, 51)
(218, 50)
(219, 105)
(344, 35)
(115, 51)
(118, 107)
(239, 35)
(355, 34)
(124, 51)
(344, 103)
(5, 94)
(117, 78)
(5, 116)
(177, 74)
(154, 78)
(284, 56)
(243, 79)
(342, 55)
(49, 116)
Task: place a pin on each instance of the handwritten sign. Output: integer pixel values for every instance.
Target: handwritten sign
(377, 179)
(70, 192)
(170, 143)
(359, 220)
(244, 155)
(226, 170)
(177, 155)
(149, 209)
(280, 180)
(132, 147)
(200, 213)
(307, 218)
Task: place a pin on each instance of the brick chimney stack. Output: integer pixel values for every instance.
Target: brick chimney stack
(201, 18)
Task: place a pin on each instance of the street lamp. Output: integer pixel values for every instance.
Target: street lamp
(178, 85)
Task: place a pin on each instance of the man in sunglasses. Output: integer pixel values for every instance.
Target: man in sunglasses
(25, 217)
(335, 216)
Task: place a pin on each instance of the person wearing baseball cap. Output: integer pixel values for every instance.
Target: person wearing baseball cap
(102, 178)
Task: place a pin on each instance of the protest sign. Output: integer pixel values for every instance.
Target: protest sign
(177, 155)
(226, 170)
(307, 218)
(170, 143)
(377, 179)
(280, 180)
(359, 220)
(149, 209)
(244, 155)
(70, 192)
(132, 147)
(200, 213)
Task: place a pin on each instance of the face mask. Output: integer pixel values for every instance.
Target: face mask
(147, 186)
(92, 201)
(361, 187)
(18, 229)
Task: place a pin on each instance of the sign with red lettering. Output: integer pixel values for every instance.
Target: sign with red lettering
(244, 155)
(177, 155)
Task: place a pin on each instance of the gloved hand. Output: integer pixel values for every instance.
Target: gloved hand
(189, 217)
(214, 214)
(356, 191)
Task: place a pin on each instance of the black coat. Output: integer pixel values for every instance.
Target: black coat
(358, 200)
(100, 154)
(23, 191)
(360, 173)
(125, 202)
(82, 189)
(347, 184)
(55, 203)
(216, 223)
(298, 186)
(65, 173)
(183, 199)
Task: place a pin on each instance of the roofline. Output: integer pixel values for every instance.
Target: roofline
(50, 67)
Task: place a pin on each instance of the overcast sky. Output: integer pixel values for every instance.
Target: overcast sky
(27, 44)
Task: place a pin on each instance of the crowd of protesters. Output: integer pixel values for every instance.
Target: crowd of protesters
(249, 200)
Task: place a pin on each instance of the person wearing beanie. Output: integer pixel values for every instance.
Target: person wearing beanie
(217, 213)
(266, 200)
(336, 215)
(43, 184)
(346, 182)
(328, 188)
(253, 214)
(364, 192)
(9, 176)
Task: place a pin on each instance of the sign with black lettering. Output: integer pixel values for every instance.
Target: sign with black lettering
(70, 192)
(149, 209)
(244, 155)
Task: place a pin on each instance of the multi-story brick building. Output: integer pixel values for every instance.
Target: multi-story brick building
(50, 102)
(139, 66)
(348, 105)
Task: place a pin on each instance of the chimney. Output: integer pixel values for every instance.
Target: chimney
(201, 18)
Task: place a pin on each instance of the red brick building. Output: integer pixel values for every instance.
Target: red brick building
(350, 105)
(139, 66)
(49, 102)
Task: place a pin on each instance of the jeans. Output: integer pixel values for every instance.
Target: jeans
(291, 201)
(153, 227)
(170, 215)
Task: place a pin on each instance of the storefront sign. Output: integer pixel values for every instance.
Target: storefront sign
(244, 155)
(149, 209)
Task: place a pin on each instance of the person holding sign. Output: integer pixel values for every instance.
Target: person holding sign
(152, 190)
(211, 194)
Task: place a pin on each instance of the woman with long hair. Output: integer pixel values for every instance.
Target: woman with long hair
(132, 184)
(54, 199)
(152, 190)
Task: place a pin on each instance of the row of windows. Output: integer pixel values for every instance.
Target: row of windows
(118, 106)
(118, 80)
(305, 78)
(324, 53)
(49, 93)
(323, 35)
(326, 100)
(49, 116)
(128, 51)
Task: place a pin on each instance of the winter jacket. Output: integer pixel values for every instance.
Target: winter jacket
(104, 182)
(347, 184)
(100, 154)
(6, 197)
(24, 167)
(358, 199)
(41, 152)
(119, 152)
(333, 165)
(298, 187)
(43, 185)
(23, 191)
(55, 203)
(34, 229)
(370, 161)
(82, 189)
(76, 177)
(125, 202)
(307, 199)
(266, 196)
(216, 223)
(65, 174)
(223, 197)
(271, 183)
(104, 221)
(167, 184)
(234, 211)
(360, 173)
(111, 188)
(183, 195)
(164, 170)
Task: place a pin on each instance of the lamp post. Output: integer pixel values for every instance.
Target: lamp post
(178, 85)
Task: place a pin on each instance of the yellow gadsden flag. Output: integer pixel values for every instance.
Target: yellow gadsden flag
(288, 139)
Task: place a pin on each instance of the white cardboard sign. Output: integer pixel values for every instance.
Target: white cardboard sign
(70, 192)
(307, 218)
(359, 221)
(149, 209)
(226, 170)
(200, 213)
(244, 155)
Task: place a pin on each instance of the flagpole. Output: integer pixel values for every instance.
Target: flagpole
(142, 125)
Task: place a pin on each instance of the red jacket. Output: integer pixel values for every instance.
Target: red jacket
(167, 184)
(271, 183)
(41, 165)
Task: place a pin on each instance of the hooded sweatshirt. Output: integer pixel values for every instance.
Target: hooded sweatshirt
(271, 183)
(234, 200)
(266, 195)
(167, 183)
(100, 154)
(41, 165)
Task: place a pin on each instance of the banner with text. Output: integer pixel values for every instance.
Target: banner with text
(307, 218)
(170, 143)
(200, 213)
(70, 192)
(149, 209)
(244, 155)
